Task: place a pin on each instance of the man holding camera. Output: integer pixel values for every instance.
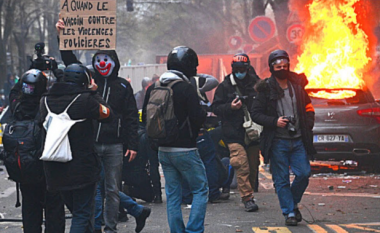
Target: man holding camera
(284, 109)
(232, 96)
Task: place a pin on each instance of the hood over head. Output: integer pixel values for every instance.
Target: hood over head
(113, 55)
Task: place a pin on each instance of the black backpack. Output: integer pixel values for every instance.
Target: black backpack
(22, 150)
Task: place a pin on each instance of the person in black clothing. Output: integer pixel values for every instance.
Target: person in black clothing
(77, 179)
(284, 109)
(8, 85)
(202, 84)
(228, 105)
(46, 63)
(35, 198)
(116, 138)
(180, 159)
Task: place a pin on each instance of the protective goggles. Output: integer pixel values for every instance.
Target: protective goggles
(280, 60)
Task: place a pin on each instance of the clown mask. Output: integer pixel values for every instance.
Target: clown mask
(104, 64)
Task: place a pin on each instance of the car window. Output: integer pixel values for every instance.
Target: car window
(359, 98)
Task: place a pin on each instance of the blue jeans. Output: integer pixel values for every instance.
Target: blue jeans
(285, 153)
(99, 202)
(111, 156)
(188, 166)
(230, 170)
(130, 205)
(80, 202)
(208, 155)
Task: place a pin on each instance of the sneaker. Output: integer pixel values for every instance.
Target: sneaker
(291, 221)
(157, 199)
(122, 217)
(250, 205)
(224, 196)
(213, 201)
(298, 215)
(140, 220)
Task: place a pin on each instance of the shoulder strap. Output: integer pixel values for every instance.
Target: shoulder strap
(196, 78)
(68, 106)
(171, 84)
(247, 116)
(233, 81)
(16, 107)
(157, 84)
(46, 105)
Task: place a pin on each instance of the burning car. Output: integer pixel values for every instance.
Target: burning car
(347, 129)
(335, 54)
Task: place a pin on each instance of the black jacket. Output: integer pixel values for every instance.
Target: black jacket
(119, 95)
(84, 168)
(232, 120)
(264, 112)
(186, 104)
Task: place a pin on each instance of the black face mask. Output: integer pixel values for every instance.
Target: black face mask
(281, 74)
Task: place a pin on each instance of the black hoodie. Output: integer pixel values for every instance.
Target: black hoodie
(118, 94)
(85, 167)
(232, 120)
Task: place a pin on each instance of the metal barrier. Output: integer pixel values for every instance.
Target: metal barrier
(137, 73)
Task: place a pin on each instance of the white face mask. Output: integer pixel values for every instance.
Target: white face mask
(104, 64)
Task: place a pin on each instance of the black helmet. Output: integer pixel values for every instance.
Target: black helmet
(183, 59)
(34, 82)
(77, 73)
(240, 60)
(277, 54)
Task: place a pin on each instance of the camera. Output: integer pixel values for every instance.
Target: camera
(241, 98)
(291, 125)
(39, 49)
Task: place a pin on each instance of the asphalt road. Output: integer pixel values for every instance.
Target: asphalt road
(332, 203)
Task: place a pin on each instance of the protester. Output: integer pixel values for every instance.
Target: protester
(155, 78)
(180, 159)
(46, 63)
(204, 83)
(8, 85)
(116, 138)
(229, 105)
(36, 200)
(76, 180)
(140, 95)
(284, 109)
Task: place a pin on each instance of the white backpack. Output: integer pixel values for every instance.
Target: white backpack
(57, 145)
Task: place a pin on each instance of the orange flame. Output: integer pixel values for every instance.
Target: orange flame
(334, 49)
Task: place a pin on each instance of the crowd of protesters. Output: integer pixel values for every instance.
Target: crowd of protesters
(114, 159)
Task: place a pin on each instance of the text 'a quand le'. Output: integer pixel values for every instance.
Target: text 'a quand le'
(74, 5)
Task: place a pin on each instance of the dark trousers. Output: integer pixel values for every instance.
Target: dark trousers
(207, 152)
(152, 155)
(36, 199)
(81, 203)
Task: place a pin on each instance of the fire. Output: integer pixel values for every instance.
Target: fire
(334, 50)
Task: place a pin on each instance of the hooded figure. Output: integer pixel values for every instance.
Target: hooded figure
(115, 138)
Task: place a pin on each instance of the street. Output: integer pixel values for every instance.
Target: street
(332, 203)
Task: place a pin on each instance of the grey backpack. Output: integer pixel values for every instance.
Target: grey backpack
(161, 123)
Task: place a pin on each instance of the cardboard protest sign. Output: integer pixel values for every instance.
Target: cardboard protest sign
(89, 24)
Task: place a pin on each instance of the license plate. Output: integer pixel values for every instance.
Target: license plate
(330, 138)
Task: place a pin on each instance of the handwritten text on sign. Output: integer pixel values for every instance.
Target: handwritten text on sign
(89, 24)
